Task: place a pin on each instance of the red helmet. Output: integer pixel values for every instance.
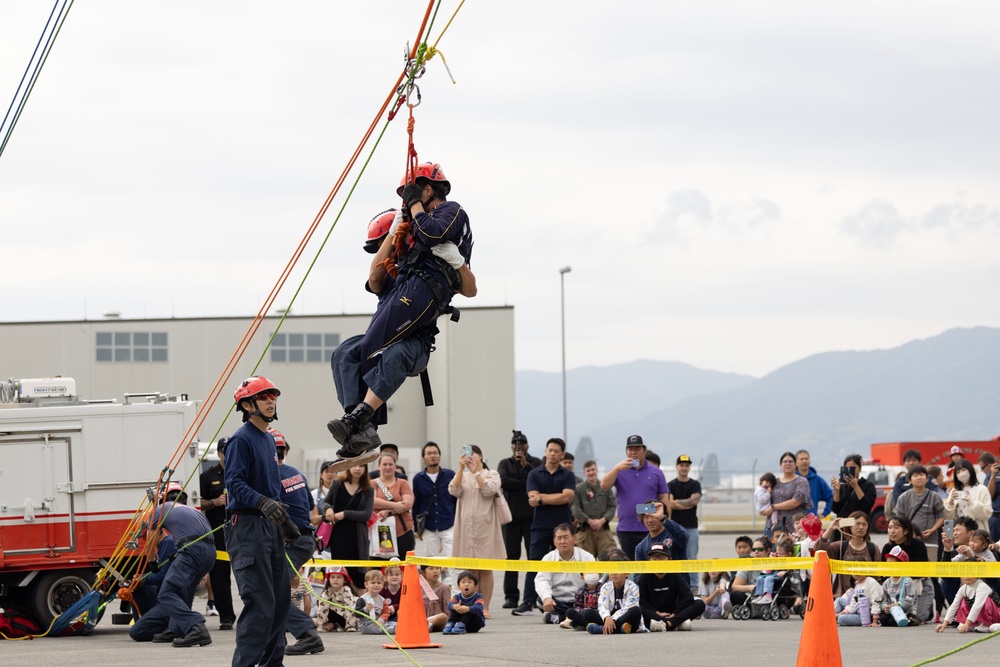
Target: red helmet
(378, 228)
(279, 439)
(431, 171)
(257, 384)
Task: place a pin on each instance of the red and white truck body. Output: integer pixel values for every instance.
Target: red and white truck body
(72, 473)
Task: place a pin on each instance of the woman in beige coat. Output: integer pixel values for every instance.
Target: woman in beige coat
(477, 528)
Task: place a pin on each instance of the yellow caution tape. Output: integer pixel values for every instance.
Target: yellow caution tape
(966, 569)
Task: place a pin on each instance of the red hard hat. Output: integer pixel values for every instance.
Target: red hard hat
(257, 384)
(429, 170)
(279, 439)
(378, 227)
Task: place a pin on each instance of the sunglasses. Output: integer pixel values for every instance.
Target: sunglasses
(268, 396)
(757, 549)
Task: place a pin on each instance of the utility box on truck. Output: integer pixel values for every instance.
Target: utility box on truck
(72, 473)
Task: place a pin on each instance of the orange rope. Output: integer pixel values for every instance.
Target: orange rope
(206, 407)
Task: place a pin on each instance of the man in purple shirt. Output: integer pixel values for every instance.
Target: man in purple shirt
(635, 481)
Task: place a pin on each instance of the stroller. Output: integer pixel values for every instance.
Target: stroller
(781, 605)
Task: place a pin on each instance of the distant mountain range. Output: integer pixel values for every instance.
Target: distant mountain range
(833, 404)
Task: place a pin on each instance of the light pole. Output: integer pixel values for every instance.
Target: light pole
(562, 306)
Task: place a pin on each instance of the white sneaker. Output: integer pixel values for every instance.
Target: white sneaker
(211, 611)
(727, 607)
(983, 628)
(657, 626)
(686, 625)
(567, 623)
(995, 627)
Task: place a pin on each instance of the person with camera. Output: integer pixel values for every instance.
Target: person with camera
(851, 492)
(635, 480)
(513, 473)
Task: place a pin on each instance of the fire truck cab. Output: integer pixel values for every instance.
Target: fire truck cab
(72, 473)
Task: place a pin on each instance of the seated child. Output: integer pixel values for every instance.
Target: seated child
(665, 598)
(765, 582)
(762, 498)
(973, 608)
(977, 549)
(330, 617)
(466, 607)
(393, 588)
(860, 605)
(713, 589)
(585, 598)
(435, 608)
(898, 593)
(374, 607)
(618, 604)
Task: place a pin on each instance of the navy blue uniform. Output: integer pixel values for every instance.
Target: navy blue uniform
(191, 564)
(256, 548)
(547, 517)
(151, 619)
(406, 308)
(299, 500)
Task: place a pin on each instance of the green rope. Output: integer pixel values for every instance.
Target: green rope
(356, 613)
(955, 650)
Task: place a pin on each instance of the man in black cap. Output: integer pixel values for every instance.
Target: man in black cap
(685, 494)
(514, 481)
(635, 481)
(665, 599)
(213, 504)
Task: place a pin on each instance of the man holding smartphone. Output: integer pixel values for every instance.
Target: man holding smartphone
(514, 481)
(634, 481)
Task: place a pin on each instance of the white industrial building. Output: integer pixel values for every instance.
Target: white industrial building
(471, 374)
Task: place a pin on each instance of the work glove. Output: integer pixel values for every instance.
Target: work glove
(448, 251)
(273, 511)
(412, 194)
(291, 533)
(396, 222)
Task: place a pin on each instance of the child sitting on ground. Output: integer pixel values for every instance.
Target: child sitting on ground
(973, 608)
(466, 607)
(585, 598)
(618, 605)
(436, 596)
(713, 589)
(393, 588)
(374, 607)
(762, 498)
(898, 594)
(332, 618)
(860, 605)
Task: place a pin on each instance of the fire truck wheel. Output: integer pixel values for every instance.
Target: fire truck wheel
(55, 592)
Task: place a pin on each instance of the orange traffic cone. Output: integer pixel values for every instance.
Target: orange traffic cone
(820, 643)
(411, 630)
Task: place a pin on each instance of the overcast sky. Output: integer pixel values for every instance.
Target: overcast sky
(735, 185)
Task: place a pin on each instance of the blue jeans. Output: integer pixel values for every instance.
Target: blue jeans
(692, 553)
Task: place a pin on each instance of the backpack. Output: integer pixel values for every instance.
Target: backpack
(14, 625)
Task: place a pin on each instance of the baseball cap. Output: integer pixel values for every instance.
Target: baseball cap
(389, 446)
(634, 440)
(956, 450)
(898, 553)
(518, 438)
(658, 551)
(683, 458)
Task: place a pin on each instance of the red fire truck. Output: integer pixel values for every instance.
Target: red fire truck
(72, 473)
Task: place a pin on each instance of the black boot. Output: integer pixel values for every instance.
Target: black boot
(196, 636)
(164, 637)
(351, 424)
(308, 643)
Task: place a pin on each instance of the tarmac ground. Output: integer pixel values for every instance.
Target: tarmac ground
(510, 640)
